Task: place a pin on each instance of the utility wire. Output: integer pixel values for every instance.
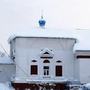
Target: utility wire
(21, 69)
(4, 50)
(15, 62)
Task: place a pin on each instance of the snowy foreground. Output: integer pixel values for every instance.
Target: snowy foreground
(5, 86)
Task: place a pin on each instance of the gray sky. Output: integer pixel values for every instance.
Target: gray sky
(19, 15)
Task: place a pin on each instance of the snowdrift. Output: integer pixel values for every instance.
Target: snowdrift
(4, 87)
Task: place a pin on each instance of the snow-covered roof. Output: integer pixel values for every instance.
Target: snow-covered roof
(81, 35)
(4, 59)
(43, 32)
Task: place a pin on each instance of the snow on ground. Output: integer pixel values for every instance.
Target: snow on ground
(87, 85)
(4, 86)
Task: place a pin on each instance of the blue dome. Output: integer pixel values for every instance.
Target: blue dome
(42, 22)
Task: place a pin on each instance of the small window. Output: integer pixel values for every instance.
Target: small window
(58, 61)
(46, 70)
(34, 70)
(46, 61)
(34, 61)
(58, 70)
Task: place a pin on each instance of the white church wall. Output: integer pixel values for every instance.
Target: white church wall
(27, 49)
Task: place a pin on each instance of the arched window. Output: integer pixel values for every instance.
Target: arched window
(46, 61)
(34, 61)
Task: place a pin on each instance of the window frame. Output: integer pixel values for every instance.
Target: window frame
(34, 70)
(58, 70)
(46, 70)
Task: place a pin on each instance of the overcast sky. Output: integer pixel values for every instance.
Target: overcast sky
(19, 15)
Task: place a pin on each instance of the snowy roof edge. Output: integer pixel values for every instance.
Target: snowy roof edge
(13, 37)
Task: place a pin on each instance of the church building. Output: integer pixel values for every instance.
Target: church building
(45, 60)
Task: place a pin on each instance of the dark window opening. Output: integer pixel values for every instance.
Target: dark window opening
(58, 61)
(58, 70)
(34, 70)
(34, 61)
(46, 61)
(46, 70)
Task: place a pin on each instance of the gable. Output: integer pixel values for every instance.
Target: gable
(46, 53)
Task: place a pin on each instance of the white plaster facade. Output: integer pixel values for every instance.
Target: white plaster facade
(26, 49)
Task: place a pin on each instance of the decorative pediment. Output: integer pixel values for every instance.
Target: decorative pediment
(46, 53)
